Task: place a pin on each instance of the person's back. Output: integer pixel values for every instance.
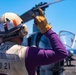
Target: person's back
(11, 59)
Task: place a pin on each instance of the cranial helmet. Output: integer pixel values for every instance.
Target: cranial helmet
(11, 25)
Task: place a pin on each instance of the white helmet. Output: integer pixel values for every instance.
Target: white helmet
(11, 25)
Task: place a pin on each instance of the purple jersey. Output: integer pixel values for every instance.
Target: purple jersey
(37, 56)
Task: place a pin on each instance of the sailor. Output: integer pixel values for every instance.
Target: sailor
(16, 59)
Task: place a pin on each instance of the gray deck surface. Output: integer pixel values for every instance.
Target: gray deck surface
(71, 70)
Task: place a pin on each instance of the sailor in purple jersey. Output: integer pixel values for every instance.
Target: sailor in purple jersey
(16, 59)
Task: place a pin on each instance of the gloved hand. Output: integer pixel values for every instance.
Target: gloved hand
(41, 22)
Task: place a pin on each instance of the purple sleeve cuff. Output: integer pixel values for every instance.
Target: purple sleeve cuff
(49, 32)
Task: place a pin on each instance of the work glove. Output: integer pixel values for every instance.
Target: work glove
(41, 22)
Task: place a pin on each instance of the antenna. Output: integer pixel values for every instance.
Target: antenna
(56, 1)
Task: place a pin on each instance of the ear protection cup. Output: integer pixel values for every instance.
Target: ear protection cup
(23, 31)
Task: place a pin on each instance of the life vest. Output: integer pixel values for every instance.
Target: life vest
(12, 59)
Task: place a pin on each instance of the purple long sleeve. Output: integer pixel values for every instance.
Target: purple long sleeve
(37, 56)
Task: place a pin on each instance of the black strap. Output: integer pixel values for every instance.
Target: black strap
(2, 74)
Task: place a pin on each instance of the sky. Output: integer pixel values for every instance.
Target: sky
(62, 15)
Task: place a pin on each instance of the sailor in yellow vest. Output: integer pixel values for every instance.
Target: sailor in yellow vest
(16, 59)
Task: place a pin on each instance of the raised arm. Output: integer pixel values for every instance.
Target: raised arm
(37, 56)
